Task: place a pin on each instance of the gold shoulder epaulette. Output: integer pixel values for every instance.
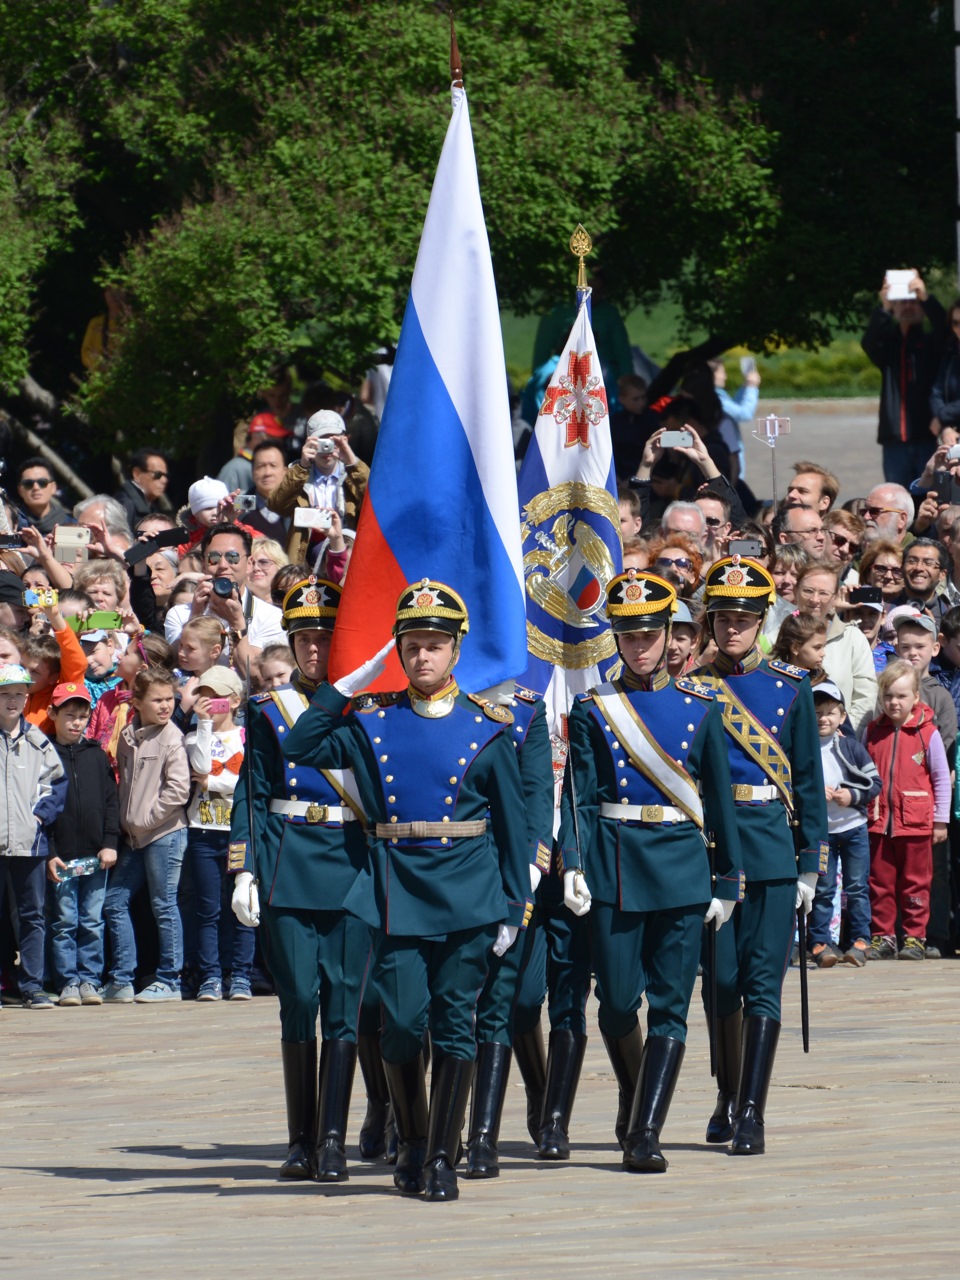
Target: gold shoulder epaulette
(687, 684)
(502, 715)
(785, 669)
(365, 702)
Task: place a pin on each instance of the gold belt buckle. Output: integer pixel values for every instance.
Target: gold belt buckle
(316, 813)
(651, 813)
(742, 792)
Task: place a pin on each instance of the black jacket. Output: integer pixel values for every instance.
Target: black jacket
(908, 366)
(135, 503)
(90, 820)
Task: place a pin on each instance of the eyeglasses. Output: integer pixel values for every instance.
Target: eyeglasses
(35, 484)
(841, 540)
(159, 475)
(259, 563)
(805, 533)
(713, 521)
(810, 593)
(916, 563)
(873, 512)
(681, 562)
(887, 571)
(231, 557)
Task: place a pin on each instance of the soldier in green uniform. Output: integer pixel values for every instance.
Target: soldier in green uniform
(448, 871)
(650, 776)
(774, 752)
(305, 855)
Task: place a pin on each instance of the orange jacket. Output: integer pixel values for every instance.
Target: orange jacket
(73, 668)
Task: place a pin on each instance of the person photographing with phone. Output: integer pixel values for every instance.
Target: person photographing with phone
(328, 477)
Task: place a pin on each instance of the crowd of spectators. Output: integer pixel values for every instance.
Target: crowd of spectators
(165, 619)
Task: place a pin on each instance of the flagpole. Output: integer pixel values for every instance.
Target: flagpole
(456, 66)
(581, 246)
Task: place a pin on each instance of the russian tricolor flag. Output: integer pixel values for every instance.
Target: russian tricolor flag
(442, 496)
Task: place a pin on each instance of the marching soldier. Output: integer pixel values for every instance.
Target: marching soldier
(448, 870)
(305, 855)
(773, 746)
(650, 776)
(498, 1000)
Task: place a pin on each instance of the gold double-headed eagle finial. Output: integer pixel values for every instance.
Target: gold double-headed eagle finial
(580, 247)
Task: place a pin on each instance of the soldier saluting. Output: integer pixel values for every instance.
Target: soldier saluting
(448, 874)
(650, 776)
(773, 746)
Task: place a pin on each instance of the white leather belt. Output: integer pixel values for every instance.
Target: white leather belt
(647, 813)
(744, 794)
(312, 811)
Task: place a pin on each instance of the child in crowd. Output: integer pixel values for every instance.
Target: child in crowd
(51, 659)
(277, 665)
(910, 811)
(684, 639)
(34, 793)
(154, 788)
(215, 752)
(10, 644)
(198, 649)
(102, 649)
(917, 642)
(112, 712)
(88, 827)
(801, 642)
(851, 781)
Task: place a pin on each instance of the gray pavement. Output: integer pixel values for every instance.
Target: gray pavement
(839, 434)
(141, 1141)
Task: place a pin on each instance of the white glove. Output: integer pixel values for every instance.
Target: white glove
(806, 888)
(365, 674)
(506, 937)
(245, 902)
(536, 875)
(576, 895)
(720, 909)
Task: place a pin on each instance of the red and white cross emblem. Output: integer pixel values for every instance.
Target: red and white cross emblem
(579, 401)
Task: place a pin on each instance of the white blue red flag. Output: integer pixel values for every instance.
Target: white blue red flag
(442, 496)
(570, 526)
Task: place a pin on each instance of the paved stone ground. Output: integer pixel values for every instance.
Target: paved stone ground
(141, 1141)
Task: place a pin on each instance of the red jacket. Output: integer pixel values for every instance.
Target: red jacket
(904, 806)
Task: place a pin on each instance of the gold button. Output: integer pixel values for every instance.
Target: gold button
(391, 799)
(779, 684)
(623, 782)
(690, 728)
(624, 800)
(621, 764)
(684, 745)
(448, 799)
(291, 766)
(779, 711)
(444, 818)
(519, 728)
(773, 728)
(473, 746)
(462, 760)
(389, 777)
(444, 840)
(381, 714)
(377, 741)
(686, 699)
(393, 842)
(479, 719)
(293, 797)
(608, 729)
(383, 759)
(281, 728)
(393, 817)
(453, 782)
(615, 746)
(293, 782)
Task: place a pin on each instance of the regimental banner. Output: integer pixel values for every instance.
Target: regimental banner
(570, 531)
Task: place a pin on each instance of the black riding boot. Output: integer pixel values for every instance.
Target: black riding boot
(659, 1069)
(532, 1064)
(760, 1036)
(625, 1053)
(338, 1061)
(563, 1075)
(408, 1097)
(299, 1059)
(449, 1094)
(373, 1130)
(720, 1124)
(486, 1110)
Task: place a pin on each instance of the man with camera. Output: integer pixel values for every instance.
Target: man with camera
(251, 623)
(329, 477)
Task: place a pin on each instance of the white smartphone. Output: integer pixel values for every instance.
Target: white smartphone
(898, 285)
(311, 518)
(673, 439)
(747, 365)
(770, 427)
(67, 539)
